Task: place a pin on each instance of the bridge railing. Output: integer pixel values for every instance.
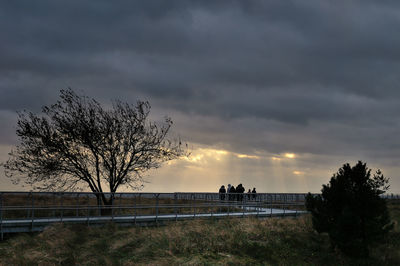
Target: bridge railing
(31, 211)
(25, 205)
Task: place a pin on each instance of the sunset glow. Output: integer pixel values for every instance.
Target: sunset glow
(274, 158)
(201, 155)
(290, 155)
(298, 173)
(247, 156)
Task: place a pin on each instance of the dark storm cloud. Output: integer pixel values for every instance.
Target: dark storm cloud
(314, 76)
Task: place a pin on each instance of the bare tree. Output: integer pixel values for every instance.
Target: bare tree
(76, 142)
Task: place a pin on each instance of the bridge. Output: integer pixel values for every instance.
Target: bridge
(33, 211)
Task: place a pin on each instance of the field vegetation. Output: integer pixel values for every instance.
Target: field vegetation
(247, 241)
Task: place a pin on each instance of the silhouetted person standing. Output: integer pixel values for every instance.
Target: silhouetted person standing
(232, 192)
(254, 192)
(240, 190)
(222, 192)
(249, 194)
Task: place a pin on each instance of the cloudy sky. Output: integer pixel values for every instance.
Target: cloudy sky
(276, 95)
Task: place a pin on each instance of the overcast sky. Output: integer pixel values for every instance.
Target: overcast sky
(273, 94)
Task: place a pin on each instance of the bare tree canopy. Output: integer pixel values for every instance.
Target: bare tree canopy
(76, 142)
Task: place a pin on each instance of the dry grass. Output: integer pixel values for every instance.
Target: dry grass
(247, 241)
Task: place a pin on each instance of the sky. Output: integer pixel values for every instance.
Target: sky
(276, 95)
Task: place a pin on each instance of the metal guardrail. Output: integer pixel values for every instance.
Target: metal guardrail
(32, 211)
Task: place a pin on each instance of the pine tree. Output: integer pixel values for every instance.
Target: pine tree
(351, 209)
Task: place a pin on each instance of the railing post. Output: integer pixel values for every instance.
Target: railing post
(88, 209)
(62, 205)
(157, 207)
(121, 211)
(28, 211)
(194, 205)
(175, 209)
(220, 202)
(77, 205)
(54, 204)
(206, 199)
(112, 205)
(242, 210)
(32, 210)
(1, 216)
(98, 202)
(212, 206)
(134, 206)
(229, 205)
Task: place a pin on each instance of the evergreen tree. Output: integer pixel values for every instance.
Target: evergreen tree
(351, 209)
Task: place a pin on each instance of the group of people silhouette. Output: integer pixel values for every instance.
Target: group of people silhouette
(236, 193)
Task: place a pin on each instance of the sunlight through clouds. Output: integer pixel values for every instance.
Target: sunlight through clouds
(290, 155)
(248, 156)
(203, 155)
(274, 158)
(298, 172)
(224, 166)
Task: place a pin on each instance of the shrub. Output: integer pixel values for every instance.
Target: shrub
(351, 210)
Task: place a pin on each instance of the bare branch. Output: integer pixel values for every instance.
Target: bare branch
(75, 142)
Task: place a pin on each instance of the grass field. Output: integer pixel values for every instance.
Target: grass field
(248, 241)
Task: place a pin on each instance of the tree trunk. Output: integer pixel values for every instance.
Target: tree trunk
(105, 205)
